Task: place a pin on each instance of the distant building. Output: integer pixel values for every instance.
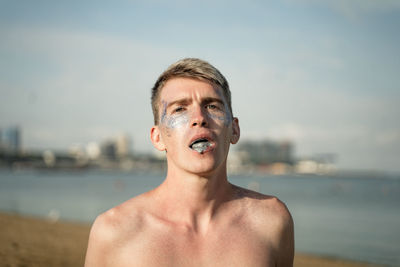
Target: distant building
(93, 150)
(122, 145)
(318, 164)
(10, 139)
(116, 148)
(266, 152)
(108, 150)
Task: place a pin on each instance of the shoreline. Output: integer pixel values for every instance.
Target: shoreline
(31, 241)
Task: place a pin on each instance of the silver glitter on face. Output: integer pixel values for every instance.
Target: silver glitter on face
(173, 121)
(181, 119)
(201, 146)
(226, 117)
(177, 121)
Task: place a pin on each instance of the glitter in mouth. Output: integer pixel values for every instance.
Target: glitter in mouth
(200, 145)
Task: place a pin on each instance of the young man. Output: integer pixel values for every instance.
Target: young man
(195, 217)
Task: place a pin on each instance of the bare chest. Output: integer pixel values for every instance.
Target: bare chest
(233, 247)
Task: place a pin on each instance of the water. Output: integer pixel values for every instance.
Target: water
(349, 218)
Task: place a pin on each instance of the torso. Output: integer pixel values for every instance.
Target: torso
(240, 236)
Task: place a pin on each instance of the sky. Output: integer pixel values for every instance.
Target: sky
(323, 74)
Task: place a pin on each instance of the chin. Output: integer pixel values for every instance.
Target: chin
(196, 163)
(204, 168)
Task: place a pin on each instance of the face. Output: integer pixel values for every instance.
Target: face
(196, 126)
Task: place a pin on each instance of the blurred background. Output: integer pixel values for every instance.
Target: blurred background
(315, 85)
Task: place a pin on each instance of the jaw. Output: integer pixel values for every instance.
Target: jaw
(198, 168)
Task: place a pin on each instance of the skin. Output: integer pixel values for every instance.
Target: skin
(195, 217)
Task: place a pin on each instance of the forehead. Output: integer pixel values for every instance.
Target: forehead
(178, 88)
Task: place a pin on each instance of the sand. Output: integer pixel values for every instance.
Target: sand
(26, 241)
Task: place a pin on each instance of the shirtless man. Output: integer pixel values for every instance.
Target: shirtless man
(195, 217)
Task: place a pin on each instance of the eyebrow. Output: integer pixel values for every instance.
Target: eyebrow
(213, 99)
(181, 101)
(185, 101)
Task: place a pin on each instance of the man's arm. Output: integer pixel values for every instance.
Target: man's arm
(286, 240)
(99, 240)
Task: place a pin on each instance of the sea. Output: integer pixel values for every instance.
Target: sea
(351, 217)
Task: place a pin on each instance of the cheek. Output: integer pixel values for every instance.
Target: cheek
(225, 118)
(218, 117)
(174, 122)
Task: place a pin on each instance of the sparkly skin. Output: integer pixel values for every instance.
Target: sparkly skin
(172, 122)
(179, 120)
(227, 118)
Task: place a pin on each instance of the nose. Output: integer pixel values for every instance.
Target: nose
(199, 118)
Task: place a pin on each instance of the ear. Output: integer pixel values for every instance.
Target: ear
(156, 139)
(235, 131)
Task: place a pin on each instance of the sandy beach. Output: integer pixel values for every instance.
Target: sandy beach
(27, 241)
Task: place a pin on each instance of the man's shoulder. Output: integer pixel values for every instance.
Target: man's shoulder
(114, 228)
(258, 200)
(271, 220)
(264, 209)
(117, 221)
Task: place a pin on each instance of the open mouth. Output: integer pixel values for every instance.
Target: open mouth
(200, 145)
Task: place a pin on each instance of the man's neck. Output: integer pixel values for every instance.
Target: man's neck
(194, 199)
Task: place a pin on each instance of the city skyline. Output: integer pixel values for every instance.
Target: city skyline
(322, 74)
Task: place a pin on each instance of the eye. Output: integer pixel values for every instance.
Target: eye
(178, 109)
(212, 107)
